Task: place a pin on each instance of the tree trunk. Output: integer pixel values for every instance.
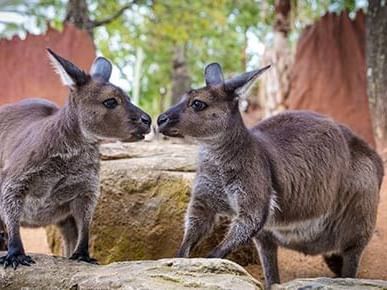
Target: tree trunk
(137, 75)
(181, 80)
(275, 84)
(77, 13)
(376, 54)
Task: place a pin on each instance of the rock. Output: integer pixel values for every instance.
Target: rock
(145, 188)
(330, 283)
(60, 273)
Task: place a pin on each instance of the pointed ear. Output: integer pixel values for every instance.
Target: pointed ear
(70, 74)
(213, 74)
(243, 81)
(101, 69)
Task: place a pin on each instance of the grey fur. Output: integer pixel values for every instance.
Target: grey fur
(49, 159)
(244, 80)
(298, 180)
(101, 68)
(213, 74)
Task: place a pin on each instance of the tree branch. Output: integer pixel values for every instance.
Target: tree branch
(111, 18)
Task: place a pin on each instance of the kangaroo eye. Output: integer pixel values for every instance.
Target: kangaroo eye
(110, 103)
(198, 105)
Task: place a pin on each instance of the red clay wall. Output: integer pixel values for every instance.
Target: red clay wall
(329, 73)
(25, 70)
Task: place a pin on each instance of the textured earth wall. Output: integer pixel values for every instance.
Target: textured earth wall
(25, 70)
(329, 73)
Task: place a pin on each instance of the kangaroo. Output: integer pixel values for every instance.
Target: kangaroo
(298, 180)
(49, 156)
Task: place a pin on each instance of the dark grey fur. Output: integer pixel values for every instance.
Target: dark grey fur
(49, 157)
(297, 180)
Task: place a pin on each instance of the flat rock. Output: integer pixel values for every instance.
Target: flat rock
(330, 284)
(60, 273)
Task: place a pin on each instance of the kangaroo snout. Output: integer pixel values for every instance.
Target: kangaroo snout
(139, 123)
(162, 119)
(166, 124)
(145, 122)
(146, 119)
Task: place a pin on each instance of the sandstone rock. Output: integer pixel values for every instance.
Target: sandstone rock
(145, 188)
(330, 283)
(60, 273)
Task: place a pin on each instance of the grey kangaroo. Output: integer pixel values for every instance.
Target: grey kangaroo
(297, 180)
(49, 157)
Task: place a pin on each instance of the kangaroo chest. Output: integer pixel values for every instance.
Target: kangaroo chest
(232, 190)
(52, 187)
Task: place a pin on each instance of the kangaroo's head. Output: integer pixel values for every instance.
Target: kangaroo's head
(103, 110)
(210, 110)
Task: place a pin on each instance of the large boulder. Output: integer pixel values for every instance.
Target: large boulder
(330, 283)
(145, 189)
(60, 273)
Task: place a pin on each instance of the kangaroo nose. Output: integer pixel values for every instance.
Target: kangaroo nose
(163, 118)
(146, 119)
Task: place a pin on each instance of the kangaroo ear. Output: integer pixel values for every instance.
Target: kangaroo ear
(101, 69)
(70, 74)
(213, 74)
(243, 81)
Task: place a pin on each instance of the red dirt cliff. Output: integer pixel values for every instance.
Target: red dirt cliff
(25, 70)
(329, 73)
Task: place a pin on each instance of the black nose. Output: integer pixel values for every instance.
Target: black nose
(163, 118)
(146, 119)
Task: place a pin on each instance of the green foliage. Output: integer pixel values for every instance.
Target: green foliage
(209, 31)
(307, 11)
(34, 15)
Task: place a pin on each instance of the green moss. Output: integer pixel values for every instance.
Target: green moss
(157, 236)
(132, 186)
(54, 240)
(125, 249)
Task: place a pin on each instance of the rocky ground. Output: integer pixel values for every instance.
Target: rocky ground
(332, 284)
(167, 274)
(145, 189)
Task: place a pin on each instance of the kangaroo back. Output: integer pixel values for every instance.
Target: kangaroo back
(18, 117)
(310, 157)
(363, 157)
